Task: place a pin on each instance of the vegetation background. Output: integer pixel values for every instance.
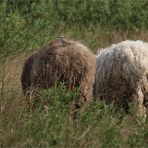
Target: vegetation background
(45, 121)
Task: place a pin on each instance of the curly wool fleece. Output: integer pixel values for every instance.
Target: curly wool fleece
(122, 74)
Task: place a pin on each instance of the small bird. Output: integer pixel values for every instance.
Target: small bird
(62, 39)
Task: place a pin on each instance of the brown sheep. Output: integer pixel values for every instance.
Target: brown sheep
(122, 75)
(61, 61)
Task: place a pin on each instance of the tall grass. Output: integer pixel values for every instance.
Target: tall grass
(49, 124)
(45, 120)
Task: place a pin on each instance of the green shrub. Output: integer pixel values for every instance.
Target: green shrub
(113, 14)
(31, 24)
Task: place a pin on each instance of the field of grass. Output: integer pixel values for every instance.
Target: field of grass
(45, 120)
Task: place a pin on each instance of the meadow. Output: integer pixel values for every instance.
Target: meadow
(45, 121)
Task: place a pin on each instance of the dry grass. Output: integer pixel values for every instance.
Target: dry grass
(12, 72)
(105, 38)
(10, 85)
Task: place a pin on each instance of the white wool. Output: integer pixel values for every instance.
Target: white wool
(122, 71)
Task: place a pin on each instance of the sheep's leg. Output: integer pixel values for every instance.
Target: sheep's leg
(138, 100)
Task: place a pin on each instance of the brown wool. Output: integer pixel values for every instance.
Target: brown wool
(61, 61)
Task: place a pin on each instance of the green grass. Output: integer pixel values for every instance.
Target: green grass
(46, 119)
(47, 122)
(24, 29)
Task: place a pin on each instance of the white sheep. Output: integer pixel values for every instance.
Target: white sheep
(122, 75)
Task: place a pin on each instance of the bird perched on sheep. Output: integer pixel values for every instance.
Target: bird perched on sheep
(122, 75)
(61, 61)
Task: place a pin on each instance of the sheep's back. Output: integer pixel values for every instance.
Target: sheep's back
(119, 68)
